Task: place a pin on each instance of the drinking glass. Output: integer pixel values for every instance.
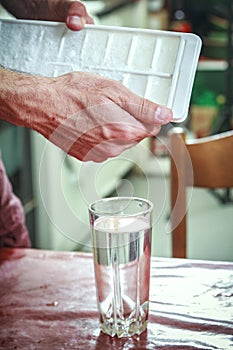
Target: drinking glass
(121, 233)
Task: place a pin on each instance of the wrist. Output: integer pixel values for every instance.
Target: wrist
(18, 97)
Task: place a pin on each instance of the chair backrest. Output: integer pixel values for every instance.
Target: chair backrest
(206, 162)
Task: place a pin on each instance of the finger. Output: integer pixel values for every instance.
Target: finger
(143, 109)
(136, 131)
(128, 127)
(149, 112)
(77, 16)
(153, 130)
(89, 20)
(107, 149)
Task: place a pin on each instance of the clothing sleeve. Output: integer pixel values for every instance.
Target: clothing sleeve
(13, 231)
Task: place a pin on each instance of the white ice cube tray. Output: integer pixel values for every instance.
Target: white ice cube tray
(158, 65)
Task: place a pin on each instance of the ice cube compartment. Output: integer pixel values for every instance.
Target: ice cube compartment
(158, 65)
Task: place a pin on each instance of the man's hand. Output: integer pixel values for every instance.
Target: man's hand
(73, 13)
(76, 15)
(88, 116)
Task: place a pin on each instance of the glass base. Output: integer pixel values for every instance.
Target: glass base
(122, 328)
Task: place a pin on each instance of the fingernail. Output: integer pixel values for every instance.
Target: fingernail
(76, 21)
(163, 114)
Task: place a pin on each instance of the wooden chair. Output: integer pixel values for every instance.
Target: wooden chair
(206, 162)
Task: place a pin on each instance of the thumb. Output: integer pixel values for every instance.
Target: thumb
(149, 112)
(77, 16)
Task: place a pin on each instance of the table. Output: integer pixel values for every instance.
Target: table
(48, 301)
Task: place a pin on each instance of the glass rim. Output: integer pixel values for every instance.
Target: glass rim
(124, 198)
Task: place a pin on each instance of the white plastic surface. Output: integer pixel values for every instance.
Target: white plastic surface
(158, 65)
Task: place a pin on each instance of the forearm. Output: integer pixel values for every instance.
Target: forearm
(19, 96)
(13, 92)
